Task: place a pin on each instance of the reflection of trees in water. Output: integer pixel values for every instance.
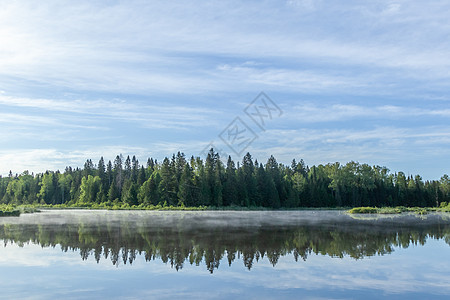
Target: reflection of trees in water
(123, 242)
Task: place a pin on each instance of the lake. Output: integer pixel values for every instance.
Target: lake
(83, 254)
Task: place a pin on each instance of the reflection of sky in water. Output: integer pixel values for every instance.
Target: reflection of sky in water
(41, 273)
(36, 272)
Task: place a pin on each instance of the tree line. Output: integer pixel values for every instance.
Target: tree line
(179, 181)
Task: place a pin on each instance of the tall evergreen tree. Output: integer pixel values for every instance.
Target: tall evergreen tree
(118, 173)
(230, 196)
(149, 191)
(134, 169)
(168, 184)
(101, 172)
(248, 172)
(187, 189)
(109, 174)
(127, 168)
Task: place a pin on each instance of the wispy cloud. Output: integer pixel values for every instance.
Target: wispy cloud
(150, 116)
(309, 112)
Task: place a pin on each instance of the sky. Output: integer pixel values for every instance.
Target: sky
(322, 81)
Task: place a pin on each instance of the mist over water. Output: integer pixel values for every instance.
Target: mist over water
(213, 219)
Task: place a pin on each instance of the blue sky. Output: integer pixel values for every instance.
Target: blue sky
(365, 81)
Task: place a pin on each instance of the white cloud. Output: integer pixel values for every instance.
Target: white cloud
(40, 160)
(308, 112)
(31, 255)
(288, 79)
(158, 115)
(392, 8)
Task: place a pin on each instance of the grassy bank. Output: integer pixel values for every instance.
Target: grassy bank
(11, 210)
(30, 208)
(8, 210)
(119, 206)
(399, 209)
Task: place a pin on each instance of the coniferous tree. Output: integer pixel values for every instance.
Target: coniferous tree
(242, 193)
(101, 171)
(168, 184)
(134, 169)
(141, 178)
(186, 191)
(248, 172)
(88, 168)
(127, 168)
(213, 168)
(274, 178)
(230, 196)
(118, 173)
(109, 174)
(203, 184)
(130, 192)
(180, 162)
(149, 191)
(113, 192)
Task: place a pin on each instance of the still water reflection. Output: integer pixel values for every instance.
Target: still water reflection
(206, 242)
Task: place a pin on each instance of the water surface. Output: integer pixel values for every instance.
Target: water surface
(284, 254)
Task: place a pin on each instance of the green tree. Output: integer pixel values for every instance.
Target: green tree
(130, 192)
(248, 174)
(89, 189)
(101, 172)
(187, 189)
(168, 185)
(230, 196)
(47, 191)
(149, 191)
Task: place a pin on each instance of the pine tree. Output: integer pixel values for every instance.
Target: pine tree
(230, 184)
(134, 169)
(248, 170)
(168, 185)
(213, 170)
(149, 191)
(109, 175)
(127, 168)
(118, 173)
(141, 176)
(186, 192)
(274, 175)
(101, 172)
(88, 168)
(113, 193)
(130, 192)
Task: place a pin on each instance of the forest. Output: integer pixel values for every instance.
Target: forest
(180, 181)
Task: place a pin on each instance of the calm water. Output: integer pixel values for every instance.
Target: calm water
(75, 254)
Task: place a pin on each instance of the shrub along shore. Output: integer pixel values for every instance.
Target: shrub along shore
(399, 209)
(15, 211)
